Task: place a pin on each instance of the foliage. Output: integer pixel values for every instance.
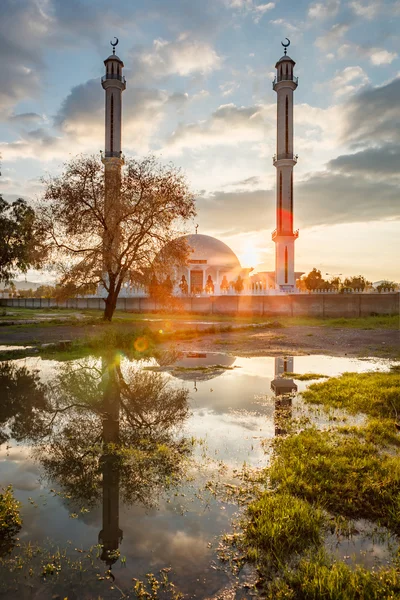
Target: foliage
(20, 239)
(344, 474)
(375, 394)
(351, 472)
(305, 376)
(281, 525)
(10, 520)
(313, 280)
(387, 285)
(119, 233)
(319, 577)
(23, 403)
(357, 282)
(238, 285)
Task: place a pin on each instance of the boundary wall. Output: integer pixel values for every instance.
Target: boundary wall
(290, 305)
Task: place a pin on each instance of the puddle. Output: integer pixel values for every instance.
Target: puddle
(151, 502)
(12, 348)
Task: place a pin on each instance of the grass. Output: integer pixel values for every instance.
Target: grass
(318, 479)
(95, 316)
(281, 525)
(344, 474)
(374, 394)
(318, 578)
(10, 520)
(305, 376)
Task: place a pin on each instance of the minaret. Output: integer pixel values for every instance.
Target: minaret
(284, 237)
(113, 83)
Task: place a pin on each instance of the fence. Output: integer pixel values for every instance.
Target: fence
(319, 304)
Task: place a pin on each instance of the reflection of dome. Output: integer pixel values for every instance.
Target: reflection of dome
(191, 361)
(215, 252)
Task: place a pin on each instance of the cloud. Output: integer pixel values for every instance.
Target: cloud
(229, 213)
(229, 124)
(348, 81)
(376, 56)
(372, 162)
(24, 27)
(374, 115)
(330, 38)
(29, 118)
(367, 10)
(324, 10)
(379, 56)
(184, 56)
(324, 198)
(329, 198)
(79, 123)
(246, 7)
(284, 24)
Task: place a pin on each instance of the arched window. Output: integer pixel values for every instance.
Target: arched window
(287, 125)
(286, 265)
(112, 68)
(112, 124)
(280, 202)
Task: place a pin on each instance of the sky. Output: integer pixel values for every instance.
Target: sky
(199, 93)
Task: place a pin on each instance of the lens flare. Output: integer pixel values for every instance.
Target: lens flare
(141, 344)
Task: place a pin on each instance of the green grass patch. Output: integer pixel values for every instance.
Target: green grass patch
(280, 526)
(374, 394)
(10, 520)
(319, 577)
(342, 473)
(305, 376)
(95, 316)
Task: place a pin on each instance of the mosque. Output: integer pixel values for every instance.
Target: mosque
(212, 266)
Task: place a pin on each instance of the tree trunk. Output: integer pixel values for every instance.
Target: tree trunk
(111, 303)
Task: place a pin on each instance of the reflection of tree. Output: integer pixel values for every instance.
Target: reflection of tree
(23, 403)
(131, 415)
(100, 430)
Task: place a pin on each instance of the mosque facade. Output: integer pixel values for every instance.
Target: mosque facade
(212, 266)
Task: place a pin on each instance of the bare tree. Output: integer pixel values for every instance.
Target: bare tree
(95, 240)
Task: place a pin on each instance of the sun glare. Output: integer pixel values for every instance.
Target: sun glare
(249, 257)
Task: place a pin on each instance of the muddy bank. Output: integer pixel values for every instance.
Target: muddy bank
(301, 340)
(249, 341)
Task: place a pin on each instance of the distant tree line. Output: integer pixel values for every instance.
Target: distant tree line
(314, 281)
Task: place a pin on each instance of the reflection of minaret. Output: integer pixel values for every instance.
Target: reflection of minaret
(283, 387)
(284, 237)
(111, 535)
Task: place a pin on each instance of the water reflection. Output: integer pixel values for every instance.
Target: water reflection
(112, 437)
(100, 431)
(283, 388)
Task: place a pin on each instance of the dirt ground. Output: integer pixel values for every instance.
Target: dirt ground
(302, 340)
(249, 342)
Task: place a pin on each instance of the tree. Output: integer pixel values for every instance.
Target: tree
(239, 285)
(313, 280)
(387, 285)
(357, 282)
(92, 242)
(20, 241)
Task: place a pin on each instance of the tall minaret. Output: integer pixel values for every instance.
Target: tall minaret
(114, 84)
(284, 237)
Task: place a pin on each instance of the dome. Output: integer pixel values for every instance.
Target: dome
(215, 252)
(114, 57)
(201, 366)
(285, 58)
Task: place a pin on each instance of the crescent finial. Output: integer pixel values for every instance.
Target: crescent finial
(286, 45)
(113, 44)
